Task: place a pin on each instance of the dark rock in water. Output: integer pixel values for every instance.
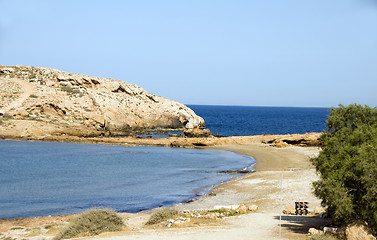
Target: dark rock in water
(199, 144)
(197, 133)
(237, 171)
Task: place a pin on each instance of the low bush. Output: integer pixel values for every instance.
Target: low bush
(326, 236)
(161, 215)
(92, 222)
(6, 116)
(67, 89)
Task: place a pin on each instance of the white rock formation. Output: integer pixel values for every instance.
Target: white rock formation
(98, 105)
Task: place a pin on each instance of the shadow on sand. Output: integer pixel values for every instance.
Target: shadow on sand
(301, 224)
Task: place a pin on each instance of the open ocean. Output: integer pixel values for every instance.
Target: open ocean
(41, 178)
(244, 121)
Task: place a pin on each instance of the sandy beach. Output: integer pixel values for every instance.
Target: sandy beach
(283, 176)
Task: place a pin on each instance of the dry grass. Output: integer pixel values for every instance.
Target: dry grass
(161, 215)
(34, 232)
(199, 222)
(92, 222)
(326, 236)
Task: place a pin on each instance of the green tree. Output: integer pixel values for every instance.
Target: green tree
(348, 164)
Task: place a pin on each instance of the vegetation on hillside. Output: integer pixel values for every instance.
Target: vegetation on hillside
(348, 165)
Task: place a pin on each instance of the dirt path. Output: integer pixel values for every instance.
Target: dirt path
(27, 90)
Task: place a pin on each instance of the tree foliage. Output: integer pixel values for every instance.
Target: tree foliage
(348, 164)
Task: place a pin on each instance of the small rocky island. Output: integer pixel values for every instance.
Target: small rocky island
(38, 102)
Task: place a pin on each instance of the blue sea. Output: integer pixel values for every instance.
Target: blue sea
(41, 178)
(245, 121)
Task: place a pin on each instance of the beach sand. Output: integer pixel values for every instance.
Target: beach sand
(283, 176)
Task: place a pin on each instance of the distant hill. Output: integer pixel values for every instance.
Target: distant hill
(42, 101)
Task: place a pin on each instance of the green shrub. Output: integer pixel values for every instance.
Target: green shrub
(33, 96)
(348, 165)
(161, 215)
(92, 222)
(6, 116)
(67, 89)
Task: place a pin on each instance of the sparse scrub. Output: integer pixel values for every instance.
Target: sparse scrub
(6, 116)
(34, 232)
(7, 238)
(161, 215)
(42, 82)
(92, 222)
(221, 210)
(225, 212)
(326, 236)
(67, 89)
(70, 89)
(33, 96)
(16, 228)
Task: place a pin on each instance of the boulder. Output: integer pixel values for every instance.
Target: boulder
(313, 231)
(289, 210)
(197, 133)
(253, 208)
(170, 222)
(330, 230)
(242, 209)
(359, 231)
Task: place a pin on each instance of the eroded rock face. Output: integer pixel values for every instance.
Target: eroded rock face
(77, 103)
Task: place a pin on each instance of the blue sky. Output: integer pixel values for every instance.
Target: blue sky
(316, 53)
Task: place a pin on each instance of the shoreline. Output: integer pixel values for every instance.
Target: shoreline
(307, 139)
(271, 161)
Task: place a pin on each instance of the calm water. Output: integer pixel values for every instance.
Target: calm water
(40, 178)
(239, 120)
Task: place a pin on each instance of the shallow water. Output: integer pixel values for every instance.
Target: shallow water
(41, 178)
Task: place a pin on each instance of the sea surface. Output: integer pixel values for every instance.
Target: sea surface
(244, 121)
(42, 178)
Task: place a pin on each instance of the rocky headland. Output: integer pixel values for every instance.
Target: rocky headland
(42, 102)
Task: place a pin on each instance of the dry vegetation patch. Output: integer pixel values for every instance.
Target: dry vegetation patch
(92, 222)
(162, 215)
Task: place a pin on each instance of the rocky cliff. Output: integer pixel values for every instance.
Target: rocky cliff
(43, 101)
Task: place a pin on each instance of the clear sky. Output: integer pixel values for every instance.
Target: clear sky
(244, 52)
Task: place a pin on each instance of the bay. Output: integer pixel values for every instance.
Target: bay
(47, 178)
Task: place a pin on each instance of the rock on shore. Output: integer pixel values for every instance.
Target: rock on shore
(43, 101)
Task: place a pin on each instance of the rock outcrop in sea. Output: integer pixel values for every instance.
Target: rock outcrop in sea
(42, 101)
